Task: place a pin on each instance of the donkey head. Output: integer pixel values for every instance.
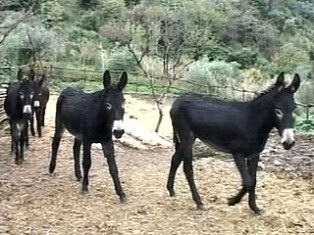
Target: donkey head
(38, 84)
(25, 94)
(114, 101)
(284, 105)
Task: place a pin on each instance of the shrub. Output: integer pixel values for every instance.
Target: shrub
(211, 74)
(305, 94)
(246, 57)
(122, 60)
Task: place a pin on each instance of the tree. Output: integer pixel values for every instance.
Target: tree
(7, 23)
(166, 34)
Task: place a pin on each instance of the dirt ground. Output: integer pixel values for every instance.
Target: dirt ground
(34, 202)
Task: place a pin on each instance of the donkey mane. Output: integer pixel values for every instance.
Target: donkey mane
(267, 91)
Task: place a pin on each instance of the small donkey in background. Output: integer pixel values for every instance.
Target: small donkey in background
(18, 107)
(40, 100)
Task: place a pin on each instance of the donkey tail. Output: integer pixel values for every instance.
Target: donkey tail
(59, 127)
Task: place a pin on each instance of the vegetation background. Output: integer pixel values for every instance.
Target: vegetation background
(240, 43)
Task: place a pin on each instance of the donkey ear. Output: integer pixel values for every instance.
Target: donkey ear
(31, 74)
(41, 81)
(123, 81)
(280, 81)
(294, 86)
(106, 79)
(20, 74)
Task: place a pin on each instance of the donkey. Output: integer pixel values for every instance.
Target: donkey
(239, 128)
(18, 107)
(91, 118)
(40, 100)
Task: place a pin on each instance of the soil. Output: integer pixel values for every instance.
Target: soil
(34, 202)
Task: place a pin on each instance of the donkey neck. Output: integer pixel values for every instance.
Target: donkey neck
(261, 111)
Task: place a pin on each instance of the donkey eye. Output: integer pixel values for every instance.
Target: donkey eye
(21, 95)
(39, 94)
(279, 113)
(108, 106)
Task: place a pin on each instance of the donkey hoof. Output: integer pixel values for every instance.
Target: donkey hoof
(172, 193)
(258, 211)
(123, 199)
(84, 189)
(201, 207)
(78, 178)
(232, 201)
(18, 161)
(51, 169)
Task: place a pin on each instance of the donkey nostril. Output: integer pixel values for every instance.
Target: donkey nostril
(118, 133)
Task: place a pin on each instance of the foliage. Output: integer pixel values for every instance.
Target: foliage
(53, 11)
(289, 58)
(111, 9)
(122, 60)
(215, 73)
(305, 93)
(246, 57)
(305, 125)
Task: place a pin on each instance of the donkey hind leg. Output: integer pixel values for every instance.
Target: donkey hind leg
(247, 169)
(108, 150)
(76, 155)
(86, 165)
(175, 163)
(188, 171)
(56, 143)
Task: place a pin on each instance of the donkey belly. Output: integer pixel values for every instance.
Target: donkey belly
(216, 146)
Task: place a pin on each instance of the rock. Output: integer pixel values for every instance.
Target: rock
(277, 163)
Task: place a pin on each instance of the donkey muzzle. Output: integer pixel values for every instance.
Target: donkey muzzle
(36, 104)
(287, 139)
(118, 129)
(27, 109)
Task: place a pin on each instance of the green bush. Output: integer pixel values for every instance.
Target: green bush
(305, 125)
(246, 57)
(305, 94)
(122, 60)
(211, 74)
(90, 21)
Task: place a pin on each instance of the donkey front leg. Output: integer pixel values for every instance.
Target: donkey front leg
(32, 125)
(108, 150)
(23, 140)
(43, 116)
(246, 168)
(252, 165)
(15, 139)
(38, 122)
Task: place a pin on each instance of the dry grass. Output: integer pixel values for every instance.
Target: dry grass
(33, 202)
